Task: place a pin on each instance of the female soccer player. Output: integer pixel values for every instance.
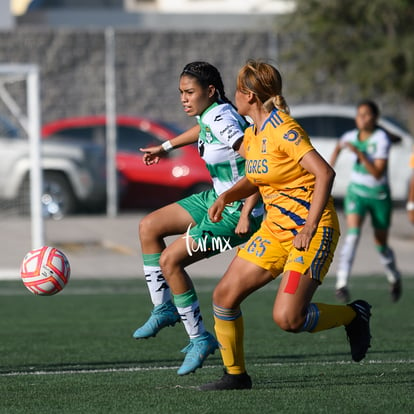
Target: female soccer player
(367, 193)
(297, 238)
(219, 132)
(410, 201)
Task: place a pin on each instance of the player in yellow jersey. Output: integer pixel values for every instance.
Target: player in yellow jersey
(410, 201)
(297, 239)
(219, 133)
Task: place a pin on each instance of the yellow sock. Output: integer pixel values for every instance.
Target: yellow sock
(332, 316)
(230, 337)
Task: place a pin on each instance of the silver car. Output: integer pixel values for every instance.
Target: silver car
(74, 177)
(325, 124)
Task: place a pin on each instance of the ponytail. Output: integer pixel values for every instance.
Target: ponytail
(277, 102)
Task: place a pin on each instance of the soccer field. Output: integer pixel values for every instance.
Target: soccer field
(74, 353)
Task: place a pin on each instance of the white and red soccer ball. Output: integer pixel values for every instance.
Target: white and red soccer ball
(45, 271)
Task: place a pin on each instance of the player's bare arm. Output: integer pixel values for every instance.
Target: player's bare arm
(242, 189)
(243, 226)
(324, 178)
(152, 155)
(376, 167)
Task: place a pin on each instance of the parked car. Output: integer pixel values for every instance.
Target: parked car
(74, 176)
(180, 173)
(325, 124)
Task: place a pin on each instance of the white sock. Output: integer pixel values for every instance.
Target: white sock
(346, 259)
(388, 261)
(157, 285)
(192, 319)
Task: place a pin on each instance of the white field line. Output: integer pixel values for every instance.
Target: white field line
(160, 368)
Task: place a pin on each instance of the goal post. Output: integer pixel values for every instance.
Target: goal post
(30, 122)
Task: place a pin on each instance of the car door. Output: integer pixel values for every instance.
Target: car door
(325, 131)
(129, 157)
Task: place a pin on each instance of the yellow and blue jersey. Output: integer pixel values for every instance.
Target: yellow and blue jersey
(273, 154)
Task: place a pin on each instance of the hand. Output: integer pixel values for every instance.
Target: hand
(152, 155)
(303, 239)
(214, 212)
(243, 226)
(351, 147)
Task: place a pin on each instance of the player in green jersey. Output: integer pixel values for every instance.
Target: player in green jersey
(219, 133)
(368, 193)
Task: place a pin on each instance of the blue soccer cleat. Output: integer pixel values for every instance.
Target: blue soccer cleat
(162, 315)
(197, 351)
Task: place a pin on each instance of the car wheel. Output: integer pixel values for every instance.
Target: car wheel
(58, 199)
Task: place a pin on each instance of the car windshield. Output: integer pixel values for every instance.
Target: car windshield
(324, 126)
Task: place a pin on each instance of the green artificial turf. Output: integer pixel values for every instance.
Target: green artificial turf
(74, 353)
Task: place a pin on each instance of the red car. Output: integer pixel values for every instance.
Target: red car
(180, 173)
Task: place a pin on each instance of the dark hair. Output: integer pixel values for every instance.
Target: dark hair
(371, 105)
(376, 112)
(206, 74)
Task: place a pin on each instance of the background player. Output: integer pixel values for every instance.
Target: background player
(410, 201)
(368, 193)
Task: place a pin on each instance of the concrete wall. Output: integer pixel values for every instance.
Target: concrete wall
(72, 66)
(148, 64)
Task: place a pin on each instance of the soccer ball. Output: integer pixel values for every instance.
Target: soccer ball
(45, 271)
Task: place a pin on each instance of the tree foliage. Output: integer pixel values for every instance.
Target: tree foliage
(368, 44)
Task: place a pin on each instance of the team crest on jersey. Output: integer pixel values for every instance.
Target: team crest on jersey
(372, 148)
(264, 146)
(209, 137)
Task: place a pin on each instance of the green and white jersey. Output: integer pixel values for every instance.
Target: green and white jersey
(221, 126)
(377, 146)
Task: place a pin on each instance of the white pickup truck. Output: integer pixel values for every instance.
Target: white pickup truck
(74, 176)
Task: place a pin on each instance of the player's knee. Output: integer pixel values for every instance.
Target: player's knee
(147, 227)
(167, 262)
(218, 296)
(224, 297)
(288, 321)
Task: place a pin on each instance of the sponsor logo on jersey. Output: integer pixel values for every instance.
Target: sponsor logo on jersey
(229, 131)
(218, 118)
(291, 135)
(299, 260)
(256, 166)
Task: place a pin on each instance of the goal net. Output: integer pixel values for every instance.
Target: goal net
(20, 148)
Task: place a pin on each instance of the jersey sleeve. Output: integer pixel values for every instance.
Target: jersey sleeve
(348, 136)
(294, 141)
(383, 146)
(226, 127)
